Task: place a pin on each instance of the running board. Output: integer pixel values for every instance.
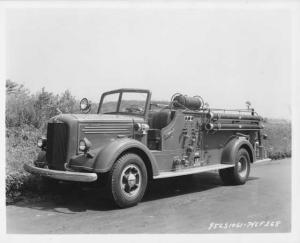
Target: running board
(262, 160)
(191, 171)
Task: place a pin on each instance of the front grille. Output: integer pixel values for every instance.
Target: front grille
(57, 134)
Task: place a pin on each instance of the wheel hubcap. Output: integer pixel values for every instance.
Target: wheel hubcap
(239, 166)
(130, 180)
(242, 167)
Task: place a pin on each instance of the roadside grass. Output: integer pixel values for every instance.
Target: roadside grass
(278, 144)
(21, 148)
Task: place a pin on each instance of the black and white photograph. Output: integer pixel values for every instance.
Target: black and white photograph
(167, 119)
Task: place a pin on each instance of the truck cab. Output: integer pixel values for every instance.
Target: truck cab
(131, 140)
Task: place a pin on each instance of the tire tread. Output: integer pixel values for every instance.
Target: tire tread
(119, 199)
(230, 176)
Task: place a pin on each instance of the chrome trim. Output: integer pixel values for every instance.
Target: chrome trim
(110, 129)
(101, 129)
(107, 127)
(191, 171)
(61, 175)
(108, 132)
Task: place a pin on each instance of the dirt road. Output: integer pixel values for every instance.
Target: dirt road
(190, 204)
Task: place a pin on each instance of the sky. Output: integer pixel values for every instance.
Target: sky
(228, 56)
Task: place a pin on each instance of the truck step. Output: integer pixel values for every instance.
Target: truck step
(191, 171)
(262, 160)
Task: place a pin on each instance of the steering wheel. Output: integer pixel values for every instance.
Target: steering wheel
(134, 109)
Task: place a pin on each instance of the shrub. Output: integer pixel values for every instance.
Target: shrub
(19, 105)
(20, 146)
(23, 108)
(26, 118)
(278, 144)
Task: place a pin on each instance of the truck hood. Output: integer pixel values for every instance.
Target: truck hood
(96, 118)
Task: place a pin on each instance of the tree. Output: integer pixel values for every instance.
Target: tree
(19, 105)
(45, 107)
(66, 102)
(23, 108)
(11, 86)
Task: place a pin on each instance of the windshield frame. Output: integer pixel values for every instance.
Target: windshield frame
(120, 92)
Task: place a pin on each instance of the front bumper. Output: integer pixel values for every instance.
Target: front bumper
(61, 175)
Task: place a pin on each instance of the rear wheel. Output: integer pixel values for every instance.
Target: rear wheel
(128, 180)
(238, 174)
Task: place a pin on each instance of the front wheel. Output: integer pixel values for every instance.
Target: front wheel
(128, 180)
(238, 174)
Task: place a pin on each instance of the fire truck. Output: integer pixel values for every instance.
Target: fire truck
(130, 141)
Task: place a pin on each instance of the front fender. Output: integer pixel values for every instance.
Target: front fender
(233, 146)
(109, 154)
(103, 158)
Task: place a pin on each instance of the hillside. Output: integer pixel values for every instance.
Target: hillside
(279, 142)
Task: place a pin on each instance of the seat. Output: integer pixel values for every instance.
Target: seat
(161, 118)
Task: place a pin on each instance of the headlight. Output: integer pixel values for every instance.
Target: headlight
(84, 145)
(137, 127)
(141, 127)
(85, 106)
(42, 142)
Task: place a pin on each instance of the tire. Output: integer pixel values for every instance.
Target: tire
(238, 174)
(128, 180)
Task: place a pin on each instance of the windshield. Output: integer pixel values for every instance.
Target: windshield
(110, 103)
(124, 102)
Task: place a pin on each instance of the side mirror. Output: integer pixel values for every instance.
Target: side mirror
(265, 136)
(85, 105)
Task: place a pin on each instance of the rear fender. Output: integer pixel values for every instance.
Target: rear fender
(233, 146)
(109, 154)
